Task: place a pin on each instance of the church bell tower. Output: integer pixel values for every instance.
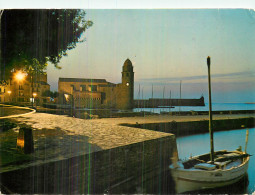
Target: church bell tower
(127, 86)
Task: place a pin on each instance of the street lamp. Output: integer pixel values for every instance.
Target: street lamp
(19, 76)
(9, 92)
(34, 95)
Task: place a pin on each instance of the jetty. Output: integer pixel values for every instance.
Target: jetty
(162, 102)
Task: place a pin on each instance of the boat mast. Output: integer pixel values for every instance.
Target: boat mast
(163, 93)
(139, 98)
(152, 98)
(210, 110)
(170, 102)
(180, 97)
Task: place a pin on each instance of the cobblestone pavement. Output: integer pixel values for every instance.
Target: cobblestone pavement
(59, 137)
(104, 133)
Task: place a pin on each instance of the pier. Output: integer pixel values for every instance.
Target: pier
(159, 102)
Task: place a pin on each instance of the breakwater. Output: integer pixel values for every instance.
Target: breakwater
(220, 112)
(157, 102)
(196, 127)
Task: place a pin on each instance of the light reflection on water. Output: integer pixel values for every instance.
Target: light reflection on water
(230, 140)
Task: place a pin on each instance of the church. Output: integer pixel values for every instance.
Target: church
(99, 93)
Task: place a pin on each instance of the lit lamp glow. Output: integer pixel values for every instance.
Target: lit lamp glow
(9, 92)
(67, 97)
(20, 75)
(33, 100)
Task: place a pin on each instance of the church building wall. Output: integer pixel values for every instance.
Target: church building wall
(98, 93)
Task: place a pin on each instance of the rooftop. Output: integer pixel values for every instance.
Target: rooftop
(128, 66)
(82, 80)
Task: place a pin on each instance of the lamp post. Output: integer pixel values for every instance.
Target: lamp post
(34, 95)
(9, 92)
(19, 76)
(32, 84)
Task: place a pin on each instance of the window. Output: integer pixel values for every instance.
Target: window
(83, 88)
(73, 88)
(93, 88)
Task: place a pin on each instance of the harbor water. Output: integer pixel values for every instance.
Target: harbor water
(215, 107)
(200, 144)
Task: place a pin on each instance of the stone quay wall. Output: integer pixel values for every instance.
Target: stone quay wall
(196, 127)
(136, 168)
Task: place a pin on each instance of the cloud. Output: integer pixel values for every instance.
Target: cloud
(235, 75)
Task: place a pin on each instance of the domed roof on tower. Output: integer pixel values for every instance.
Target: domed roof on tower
(127, 67)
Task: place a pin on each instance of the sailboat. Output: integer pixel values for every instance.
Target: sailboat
(212, 170)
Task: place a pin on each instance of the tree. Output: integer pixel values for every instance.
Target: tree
(47, 93)
(51, 94)
(34, 69)
(45, 35)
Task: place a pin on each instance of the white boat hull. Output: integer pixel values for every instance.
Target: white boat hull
(194, 179)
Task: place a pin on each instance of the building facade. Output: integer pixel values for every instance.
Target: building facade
(99, 93)
(24, 90)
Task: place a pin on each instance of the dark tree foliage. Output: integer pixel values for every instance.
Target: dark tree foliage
(45, 35)
(49, 93)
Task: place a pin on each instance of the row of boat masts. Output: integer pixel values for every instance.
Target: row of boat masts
(141, 97)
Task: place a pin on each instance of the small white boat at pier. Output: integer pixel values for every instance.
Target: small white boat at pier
(199, 173)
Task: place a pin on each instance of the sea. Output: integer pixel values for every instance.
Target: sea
(215, 107)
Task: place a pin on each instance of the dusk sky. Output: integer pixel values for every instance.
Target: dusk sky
(166, 46)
